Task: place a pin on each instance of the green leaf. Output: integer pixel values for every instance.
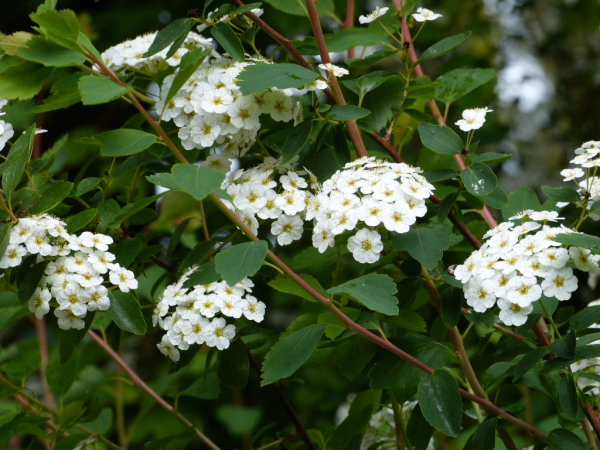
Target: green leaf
(197, 181)
(382, 102)
(451, 306)
(296, 140)
(346, 38)
(580, 240)
(352, 355)
(567, 395)
(70, 339)
(519, 200)
(347, 112)
(205, 387)
(283, 284)
(126, 311)
(565, 346)
(355, 423)
(425, 243)
(5, 229)
(127, 250)
(95, 90)
(81, 220)
(484, 437)
(31, 281)
(335, 325)
(459, 82)
(288, 354)
(124, 142)
(440, 139)
(22, 80)
(224, 35)
(239, 420)
(60, 26)
(418, 430)
(440, 402)
(297, 8)
(281, 76)
(165, 180)
(240, 261)
(444, 46)
(60, 376)
(52, 195)
(479, 179)
(205, 274)
(565, 440)
(586, 317)
(389, 370)
(64, 93)
(375, 291)
(365, 84)
(581, 353)
(47, 53)
(528, 361)
(491, 157)
(233, 366)
(497, 199)
(86, 185)
(14, 167)
(561, 194)
(189, 63)
(168, 35)
(21, 359)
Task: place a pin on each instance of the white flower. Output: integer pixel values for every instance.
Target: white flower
(98, 299)
(194, 330)
(167, 348)
(473, 119)
(365, 246)
(67, 319)
(373, 15)
(254, 309)
(39, 302)
(219, 334)
(207, 305)
(123, 278)
(398, 219)
(13, 256)
(287, 229)
(584, 260)
(554, 257)
(479, 297)
(512, 313)
(423, 14)
(73, 298)
(523, 291)
(560, 283)
(571, 174)
(334, 70)
(322, 237)
(551, 216)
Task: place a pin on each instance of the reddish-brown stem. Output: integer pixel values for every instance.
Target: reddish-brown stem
(588, 434)
(593, 416)
(40, 331)
(148, 390)
(349, 23)
(203, 220)
(278, 392)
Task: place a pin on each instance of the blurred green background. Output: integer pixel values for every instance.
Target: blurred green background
(545, 99)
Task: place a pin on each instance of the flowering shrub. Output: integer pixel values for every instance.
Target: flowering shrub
(168, 236)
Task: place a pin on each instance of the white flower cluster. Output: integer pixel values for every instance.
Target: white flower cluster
(381, 433)
(196, 315)
(585, 178)
(272, 190)
(210, 109)
(209, 21)
(6, 129)
(75, 270)
(128, 55)
(473, 119)
(515, 267)
(367, 193)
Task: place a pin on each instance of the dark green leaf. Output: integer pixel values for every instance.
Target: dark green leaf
(189, 63)
(523, 198)
(297, 8)
(197, 181)
(561, 194)
(353, 424)
(43, 51)
(287, 355)
(528, 361)
(126, 311)
(22, 80)
(459, 82)
(440, 139)
(581, 353)
(479, 179)
(124, 142)
(491, 157)
(95, 90)
(418, 430)
(425, 243)
(296, 140)
(225, 36)
(451, 306)
(567, 395)
(565, 347)
(165, 180)
(52, 195)
(205, 274)
(375, 291)
(586, 317)
(205, 387)
(60, 376)
(81, 220)
(168, 35)
(13, 168)
(70, 339)
(347, 112)
(31, 281)
(440, 402)
(352, 355)
(21, 359)
(444, 46)
(86, 185)
(127, 250)
(240, 261)
(565, 440)
(283, 284)
(5, 229)
(281, 76)
(239, 420)
(408, 320)
(497, 199)
(233, 366)
(382, 102)
(346, 38)
(484, 437)
(580, 240)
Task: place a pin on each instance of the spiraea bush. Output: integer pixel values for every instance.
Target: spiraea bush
(280, 251)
